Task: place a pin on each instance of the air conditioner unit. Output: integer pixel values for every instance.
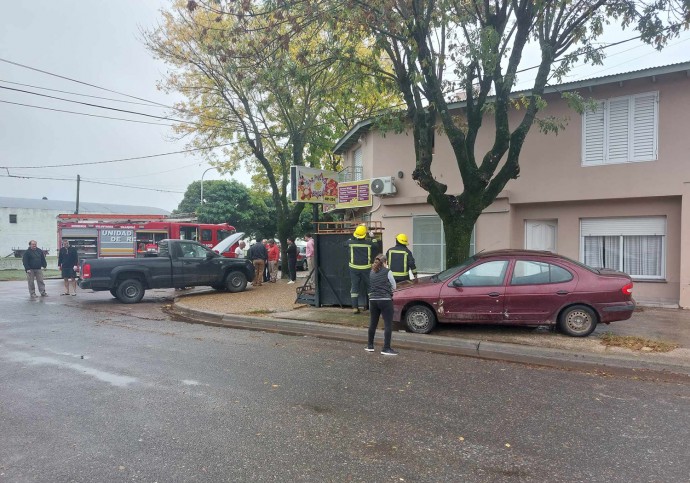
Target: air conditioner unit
(383, 186)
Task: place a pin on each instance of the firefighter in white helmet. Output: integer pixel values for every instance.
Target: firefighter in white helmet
(401, 260)
(361, 253)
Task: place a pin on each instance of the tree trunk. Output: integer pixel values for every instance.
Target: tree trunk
(458, 219)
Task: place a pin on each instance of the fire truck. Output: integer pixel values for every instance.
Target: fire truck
(113, 235)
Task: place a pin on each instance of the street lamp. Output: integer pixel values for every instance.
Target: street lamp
(202, 183)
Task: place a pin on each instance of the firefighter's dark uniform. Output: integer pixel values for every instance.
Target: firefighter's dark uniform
(400, 262)
(361, 253)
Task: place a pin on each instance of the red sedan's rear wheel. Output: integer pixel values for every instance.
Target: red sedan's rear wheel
(577, 321)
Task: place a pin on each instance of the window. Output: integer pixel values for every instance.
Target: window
(533, 273)
(191, 250)
(429, 244)
(13, 218)
(358, 165)
(636, 246)
(206, 235)
(621, 130)
(489, 274)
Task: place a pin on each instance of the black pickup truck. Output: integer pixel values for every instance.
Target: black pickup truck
(178, 264)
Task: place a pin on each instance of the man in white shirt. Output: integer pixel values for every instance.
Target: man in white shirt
(239, 251)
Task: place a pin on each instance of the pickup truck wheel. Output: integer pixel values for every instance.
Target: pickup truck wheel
(130, 291)
(235, 282)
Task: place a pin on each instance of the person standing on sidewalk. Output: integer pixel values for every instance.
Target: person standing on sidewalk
(258, 255)
(401, 261)
(239, 251)
(67, 260)
(361, 251)
(34, 261)
(292, 260)
(273, 256)
(309, 251)
(381, 286)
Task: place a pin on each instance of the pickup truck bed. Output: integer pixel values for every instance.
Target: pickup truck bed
(179, 263)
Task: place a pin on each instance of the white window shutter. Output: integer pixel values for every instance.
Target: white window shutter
(644, 131)
(593, 136)
(618, 143)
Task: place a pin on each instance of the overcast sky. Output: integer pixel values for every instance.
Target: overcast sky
(99, 43)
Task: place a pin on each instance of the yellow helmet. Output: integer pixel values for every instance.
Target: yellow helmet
(401, 238)
(360, 231)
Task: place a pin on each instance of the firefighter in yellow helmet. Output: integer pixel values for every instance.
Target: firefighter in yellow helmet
(401, 260)
(361, 252)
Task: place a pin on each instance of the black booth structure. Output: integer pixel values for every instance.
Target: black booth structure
(328, 282)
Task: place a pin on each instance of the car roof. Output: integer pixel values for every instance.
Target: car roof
(516, 252)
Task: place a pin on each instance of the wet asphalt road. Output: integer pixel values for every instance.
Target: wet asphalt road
(92, 390)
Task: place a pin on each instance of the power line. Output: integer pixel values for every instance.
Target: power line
(81, 82)
(86, 114)
(98, 106)
(83, 180)
(78, 94)
(118, 160)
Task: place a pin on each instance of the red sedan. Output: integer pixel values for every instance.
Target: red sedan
(517, 287)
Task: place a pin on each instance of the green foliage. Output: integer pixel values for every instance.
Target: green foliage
(231, 202)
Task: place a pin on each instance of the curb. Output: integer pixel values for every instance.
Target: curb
(497, 351)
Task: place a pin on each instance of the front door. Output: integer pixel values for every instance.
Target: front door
(541, 235)
(476, 295)
(196, 267)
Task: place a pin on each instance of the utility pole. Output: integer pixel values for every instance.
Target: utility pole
(76, 211)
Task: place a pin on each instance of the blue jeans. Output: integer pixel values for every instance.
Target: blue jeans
(377, 308)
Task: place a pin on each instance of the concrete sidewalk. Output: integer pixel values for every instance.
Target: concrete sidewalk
(271, 308)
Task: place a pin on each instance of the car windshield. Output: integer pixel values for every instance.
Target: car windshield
(446, 274)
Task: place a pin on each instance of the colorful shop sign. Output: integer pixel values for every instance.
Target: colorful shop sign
(354, 194)
(310, 185)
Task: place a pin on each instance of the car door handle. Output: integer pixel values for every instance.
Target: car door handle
(494, 294)
(562, 292)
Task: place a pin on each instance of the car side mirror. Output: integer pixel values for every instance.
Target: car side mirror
(210, 255)
(456, 283)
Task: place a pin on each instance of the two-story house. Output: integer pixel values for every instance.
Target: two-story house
(611, 190)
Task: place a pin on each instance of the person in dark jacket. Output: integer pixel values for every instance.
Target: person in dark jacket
(67, 261)
(381, 286)
(401, 261)
(34, 261)
(258, 255)
(361, 252)
(292, 260)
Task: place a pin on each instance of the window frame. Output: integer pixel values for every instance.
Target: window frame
(416, 245)
(629, 231)
(605, 104)
(13, 218)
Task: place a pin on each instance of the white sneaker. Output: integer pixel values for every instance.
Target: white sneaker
(291, 281)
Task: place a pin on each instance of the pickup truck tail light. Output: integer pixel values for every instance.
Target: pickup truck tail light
(86, 271)
(628, 289)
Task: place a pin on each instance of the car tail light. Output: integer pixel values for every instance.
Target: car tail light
(86, 271)
(628, 289)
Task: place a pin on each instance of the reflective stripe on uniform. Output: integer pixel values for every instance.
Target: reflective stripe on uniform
(391, 252)
(352, 256)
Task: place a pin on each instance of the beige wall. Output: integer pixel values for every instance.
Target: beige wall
(569, 215)
(553, 184)
(550, 165)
